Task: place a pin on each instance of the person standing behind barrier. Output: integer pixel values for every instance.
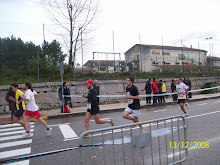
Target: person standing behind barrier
(96, 86)
(148, 90)
(181, 91)
(159, 84)
(10, 97)
(20, 105)
(164, 90)
(132, 96)
(66, 91)
(32, 110)
(155, 91)
(173, 89)
(188, 83)
(92, 106)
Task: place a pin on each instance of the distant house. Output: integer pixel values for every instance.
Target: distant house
(213, 61)
(105, 65)
(153, 57)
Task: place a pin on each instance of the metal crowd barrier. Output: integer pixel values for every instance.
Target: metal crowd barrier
(163, 141)
(126, 145)
(148, 95)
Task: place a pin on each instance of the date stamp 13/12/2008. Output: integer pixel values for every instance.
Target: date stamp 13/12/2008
(189, 145)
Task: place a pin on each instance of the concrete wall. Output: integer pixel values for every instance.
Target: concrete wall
(48, 92)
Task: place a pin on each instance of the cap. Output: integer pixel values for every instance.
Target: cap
(89, 82)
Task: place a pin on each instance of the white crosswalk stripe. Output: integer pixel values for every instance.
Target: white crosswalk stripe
(12, 143)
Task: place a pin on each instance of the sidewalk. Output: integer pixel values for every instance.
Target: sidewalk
(79, 111)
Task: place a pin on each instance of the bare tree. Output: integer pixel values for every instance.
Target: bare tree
(75, 18)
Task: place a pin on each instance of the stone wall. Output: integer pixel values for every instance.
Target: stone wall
(48, 92)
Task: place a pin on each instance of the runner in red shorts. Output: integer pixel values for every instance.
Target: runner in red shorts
(32, 109)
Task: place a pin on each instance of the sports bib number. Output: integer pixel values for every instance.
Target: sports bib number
(130, 101)
(181, 95)
(89, 106)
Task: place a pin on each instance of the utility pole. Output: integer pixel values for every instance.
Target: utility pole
(44, 34)
(38, 69)
(182, 55)
(113, 48)
(162, 53)
(82, 49)
(140, 52)
(199, 55)
(209, 38)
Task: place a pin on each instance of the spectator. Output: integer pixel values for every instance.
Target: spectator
(148, 90)
(155, 90)
(66, 91)
(173, 89)
(159, 84)
(164, 90)
(97, 88)
(188, 83)
(11, 99)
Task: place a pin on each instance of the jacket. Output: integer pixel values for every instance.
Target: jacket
(155, 87)
(148, 88)
(164, 89)
(12, 104)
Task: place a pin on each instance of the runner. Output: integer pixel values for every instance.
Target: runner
(181, 91)
(32, 109)
(92, 106)
(132, 96)
(20, 105)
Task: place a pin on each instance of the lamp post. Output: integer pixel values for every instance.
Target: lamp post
(162, 53)
(209, 38)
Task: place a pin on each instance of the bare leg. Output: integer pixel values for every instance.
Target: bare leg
(87, 118)
(126, 116)
(26, 118)
(182, 107)
(98, 120)
(17, 120)
(43, 123)
(136, 119)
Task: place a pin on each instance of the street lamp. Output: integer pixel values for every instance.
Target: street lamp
(209, 38)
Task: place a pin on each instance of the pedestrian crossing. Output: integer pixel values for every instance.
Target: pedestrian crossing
(12, 144)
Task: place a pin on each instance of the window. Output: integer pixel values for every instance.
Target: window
(174, 54)
(154, 63)
(138, 57)
(166, 53)
(181, 56)
(192, 54)
(156, 52)
(166, 63)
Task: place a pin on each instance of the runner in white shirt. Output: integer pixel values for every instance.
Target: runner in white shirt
(182, 89)
(32, 109)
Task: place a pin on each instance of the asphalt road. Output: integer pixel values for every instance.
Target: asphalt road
(203, 126)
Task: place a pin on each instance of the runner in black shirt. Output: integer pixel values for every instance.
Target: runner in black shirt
(92, 106)
(132, 96)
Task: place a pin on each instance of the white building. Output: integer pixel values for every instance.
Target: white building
(150, 57)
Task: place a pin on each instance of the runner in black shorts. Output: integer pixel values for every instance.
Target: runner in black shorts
(92, 106)
(20, 105)
(182, 89)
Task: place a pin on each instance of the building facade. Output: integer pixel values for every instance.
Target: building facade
(147, 58)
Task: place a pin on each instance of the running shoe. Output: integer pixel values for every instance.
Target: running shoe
(111, 122)
(185, 115)
(187, 105)
(87, 136)
(25, 135)
(49, 131)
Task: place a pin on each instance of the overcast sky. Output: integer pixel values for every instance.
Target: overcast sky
(172, 20)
